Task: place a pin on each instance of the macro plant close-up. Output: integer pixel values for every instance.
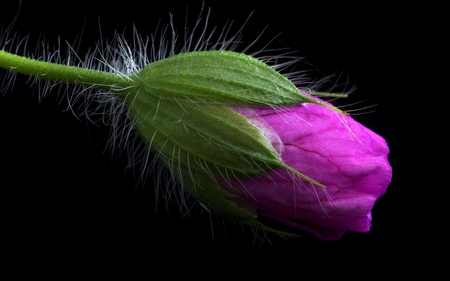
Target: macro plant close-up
(233, 132)
(193, 119)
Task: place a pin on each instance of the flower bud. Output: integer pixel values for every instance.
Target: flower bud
(192, 111)
(235, 133)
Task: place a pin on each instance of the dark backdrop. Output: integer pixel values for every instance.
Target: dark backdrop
(68, 206)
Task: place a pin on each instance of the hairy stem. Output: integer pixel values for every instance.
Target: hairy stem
(66, 73)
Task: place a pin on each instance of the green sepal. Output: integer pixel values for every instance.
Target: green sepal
(222, 77)
(207, 191)
(206, 137)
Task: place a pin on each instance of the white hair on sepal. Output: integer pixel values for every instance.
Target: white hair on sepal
(168, 47)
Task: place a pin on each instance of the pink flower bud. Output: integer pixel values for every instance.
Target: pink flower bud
(333, 149)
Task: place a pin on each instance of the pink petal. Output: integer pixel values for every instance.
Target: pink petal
(335, 150)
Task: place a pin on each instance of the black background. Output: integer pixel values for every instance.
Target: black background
(68, 206)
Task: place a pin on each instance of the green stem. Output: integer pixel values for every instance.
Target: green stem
(70, 74)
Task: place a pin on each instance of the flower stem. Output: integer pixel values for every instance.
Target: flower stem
(59, 72)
